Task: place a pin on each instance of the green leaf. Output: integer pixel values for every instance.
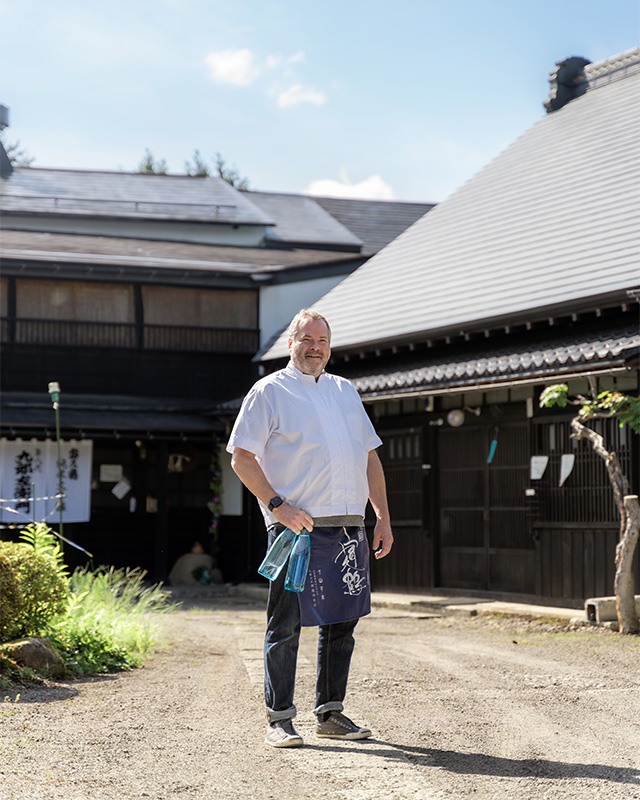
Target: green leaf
(555, 395)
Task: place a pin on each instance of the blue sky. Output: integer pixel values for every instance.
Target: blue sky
(405, 99)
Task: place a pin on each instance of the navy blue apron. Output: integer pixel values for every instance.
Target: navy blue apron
(338, 588)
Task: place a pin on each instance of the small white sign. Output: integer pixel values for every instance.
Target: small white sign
(110, 473)
(538, 466)
(566, 465)
(121, 489)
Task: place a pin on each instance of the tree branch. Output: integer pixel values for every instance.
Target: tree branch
(618, 480)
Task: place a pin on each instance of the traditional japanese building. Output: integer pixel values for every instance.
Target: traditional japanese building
(146, 297)
(528, 275)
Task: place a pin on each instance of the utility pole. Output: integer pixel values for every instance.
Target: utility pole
(54, 391)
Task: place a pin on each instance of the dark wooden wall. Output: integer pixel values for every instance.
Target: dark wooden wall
(127, 339)
(405, 456)
(113, 371)
(461, 522)
(577, 562)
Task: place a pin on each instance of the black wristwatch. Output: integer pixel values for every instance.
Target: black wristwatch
(275, 502)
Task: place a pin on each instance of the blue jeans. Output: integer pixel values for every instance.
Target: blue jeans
(335, 647)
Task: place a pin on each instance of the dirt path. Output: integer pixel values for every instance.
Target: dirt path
(459, 708)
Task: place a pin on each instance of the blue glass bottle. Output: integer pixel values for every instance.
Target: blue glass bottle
(277, 555)
(298, 564)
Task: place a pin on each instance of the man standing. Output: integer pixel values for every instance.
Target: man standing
(304, 446)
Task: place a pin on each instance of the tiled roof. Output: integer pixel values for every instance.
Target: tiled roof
(300, 219)
(125, 194)
(564, 355)
(552, 222)
(376, 222)
(34, 246)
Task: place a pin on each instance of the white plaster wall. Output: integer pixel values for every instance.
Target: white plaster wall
(231, 485)
(280, 303)
(195, 233)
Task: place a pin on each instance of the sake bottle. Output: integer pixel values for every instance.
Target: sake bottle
(277, 555)
(298, 564)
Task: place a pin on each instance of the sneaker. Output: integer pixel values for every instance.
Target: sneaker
(337, 726)
(282, 734)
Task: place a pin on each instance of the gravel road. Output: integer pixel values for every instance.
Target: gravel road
(460, 708)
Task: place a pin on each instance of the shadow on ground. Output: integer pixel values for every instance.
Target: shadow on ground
(482, 764)
(51, 691)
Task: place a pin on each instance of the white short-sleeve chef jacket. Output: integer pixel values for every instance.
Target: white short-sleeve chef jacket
(312, 440)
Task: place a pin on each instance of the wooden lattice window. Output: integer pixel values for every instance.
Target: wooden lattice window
(401, 457)
(586, 495)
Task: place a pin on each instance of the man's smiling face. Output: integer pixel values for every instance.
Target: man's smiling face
(310, 348)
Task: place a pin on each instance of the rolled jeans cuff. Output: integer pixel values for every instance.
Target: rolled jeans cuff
(276, 716)
(333, 705)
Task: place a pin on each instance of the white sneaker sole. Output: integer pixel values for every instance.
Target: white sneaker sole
(292, 741)
(363, 734)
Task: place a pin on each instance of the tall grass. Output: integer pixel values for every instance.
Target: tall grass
(102, 620)
(111, 622)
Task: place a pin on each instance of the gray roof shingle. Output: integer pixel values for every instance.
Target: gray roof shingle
(125, 194)
(300, 219)
(35, 246)
(553, 220)
(376, 222)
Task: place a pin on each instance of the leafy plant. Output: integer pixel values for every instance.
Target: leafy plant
(149, 165)
(555, 395)
(91, 652)
(102, 620)
(16, 155)
(111, 620)
(12, 673)
(34, 585)
(601, 405)
(43, 541)
(215, 485)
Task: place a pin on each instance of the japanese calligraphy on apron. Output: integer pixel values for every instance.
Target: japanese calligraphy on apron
(338, 588)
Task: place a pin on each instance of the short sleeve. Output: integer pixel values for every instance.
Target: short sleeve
(253, 425)
(371, 440)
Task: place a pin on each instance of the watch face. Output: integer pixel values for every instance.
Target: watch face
(275, 502)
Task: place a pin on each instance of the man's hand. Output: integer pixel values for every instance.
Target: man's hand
(382, 536)
(382, 539)
(293, 518)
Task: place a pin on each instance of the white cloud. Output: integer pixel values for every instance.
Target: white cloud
(241, 68)
(297, 94)
(373, 188)
(277, 61)
(232, 66)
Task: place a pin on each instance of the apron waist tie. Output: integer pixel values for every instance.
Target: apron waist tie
(340, 521)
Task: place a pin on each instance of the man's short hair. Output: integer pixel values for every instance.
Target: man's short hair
(303, 315)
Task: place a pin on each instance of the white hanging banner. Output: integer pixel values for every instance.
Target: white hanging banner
(23, 475)
(566, 466)
(537, 467)
(29, 481)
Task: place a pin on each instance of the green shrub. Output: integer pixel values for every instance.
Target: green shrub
(91, 652)
(102, 620)
(111, 620)
(12, 673)
(34, 587)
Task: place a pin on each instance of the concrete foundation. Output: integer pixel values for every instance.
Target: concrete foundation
(603, 609)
